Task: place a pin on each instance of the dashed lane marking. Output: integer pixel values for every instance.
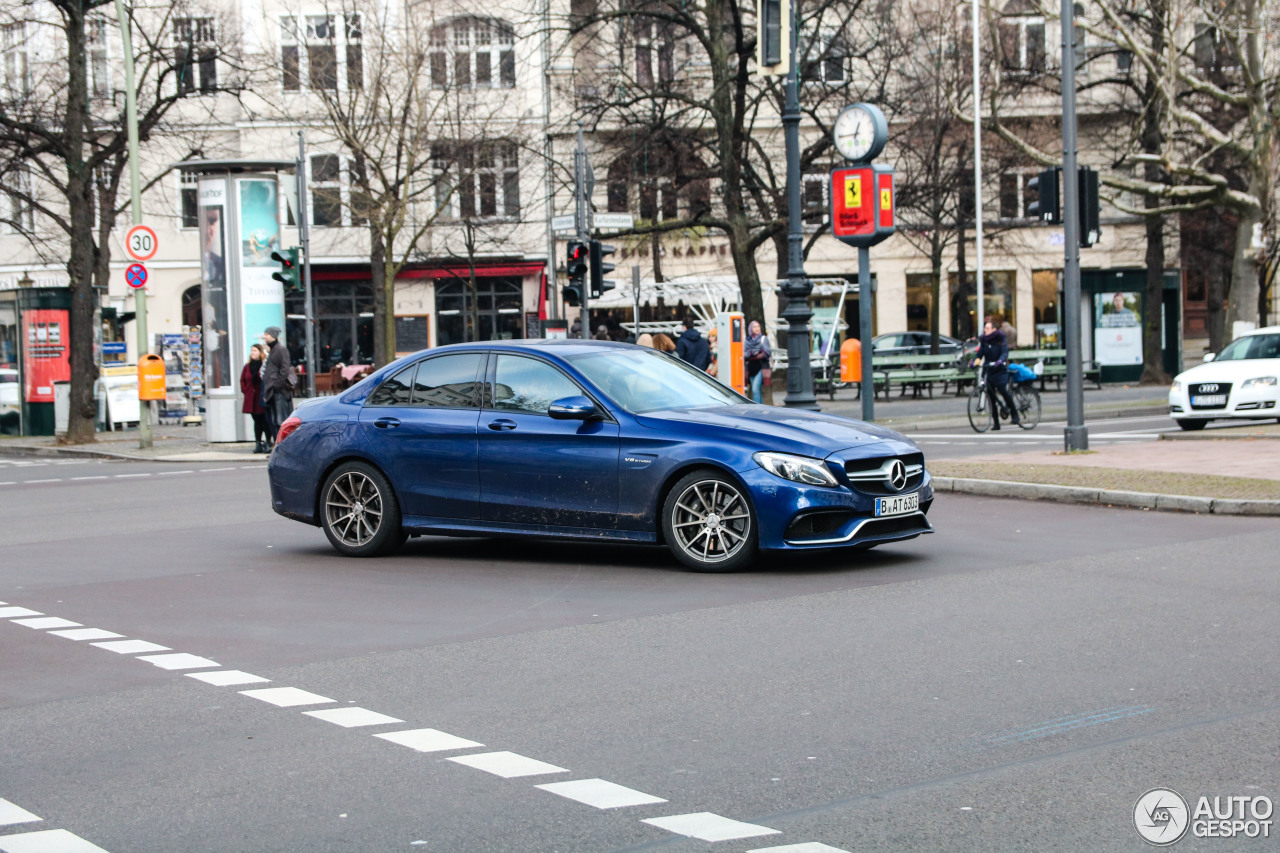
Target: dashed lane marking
(429, 740)
(709, 827)
(350, 718)
(600, 794)
(807, 847)
(94, 477)
(81, 634)
(508, 765)
(285, 697)
(15, 612)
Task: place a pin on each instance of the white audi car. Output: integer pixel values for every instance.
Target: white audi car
(1239, 383)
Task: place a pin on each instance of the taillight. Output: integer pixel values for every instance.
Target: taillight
(287, 428)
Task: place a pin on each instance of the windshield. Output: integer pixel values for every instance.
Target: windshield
(1251, 347)
(642, 380)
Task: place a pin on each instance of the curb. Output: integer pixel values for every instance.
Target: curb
(46, 451)
(1213, 435)
(1105, 497)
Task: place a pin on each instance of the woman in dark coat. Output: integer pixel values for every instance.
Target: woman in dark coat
(993, 349)
(251, 387)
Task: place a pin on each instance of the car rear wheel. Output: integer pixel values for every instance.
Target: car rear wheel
(359, 511)
(709, 523)
(1190, 425)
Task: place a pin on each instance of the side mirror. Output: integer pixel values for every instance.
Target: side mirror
(1208, 357)
(576, 408)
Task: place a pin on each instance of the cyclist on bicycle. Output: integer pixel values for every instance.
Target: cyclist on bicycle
(993, 349)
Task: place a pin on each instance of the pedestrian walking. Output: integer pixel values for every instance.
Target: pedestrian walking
(993, 349)
(602, 333)
(692, 346)
(278, 382)
(645, 340)
(759, 357)
(251, 388)
(575, 331)
(662, 343)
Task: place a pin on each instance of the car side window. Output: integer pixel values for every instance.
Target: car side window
(394, 391)
(528, 385)
(447, 381)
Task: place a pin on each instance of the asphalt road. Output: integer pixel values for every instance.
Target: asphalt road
(1013, 682)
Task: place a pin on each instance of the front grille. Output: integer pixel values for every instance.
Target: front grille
(855, 468)
(892, 528)
(1209, 389)
(824, 524)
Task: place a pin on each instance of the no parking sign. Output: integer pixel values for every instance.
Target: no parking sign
(136, 275)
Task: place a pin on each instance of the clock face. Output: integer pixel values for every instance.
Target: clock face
(854, 134)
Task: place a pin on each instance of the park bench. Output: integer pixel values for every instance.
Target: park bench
(1055, 365)
(918, 373)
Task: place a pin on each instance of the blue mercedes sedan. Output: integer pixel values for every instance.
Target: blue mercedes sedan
(589, 440)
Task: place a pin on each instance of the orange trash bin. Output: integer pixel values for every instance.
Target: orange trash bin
(851, 360)
(151, 378)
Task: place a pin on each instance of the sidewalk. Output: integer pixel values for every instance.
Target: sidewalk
(169, 444)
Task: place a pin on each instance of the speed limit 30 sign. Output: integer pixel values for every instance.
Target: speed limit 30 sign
(140, 243)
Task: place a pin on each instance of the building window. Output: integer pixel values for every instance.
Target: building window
(19, 214)
(1022, 44)
(195, 55)
(658, 184)
(1015, 196)
(473, 52)
(496, 304)
(326, 190)
(814, 198)
(17, 80)
(655, 50)
(320, 56)
(825, 60)
(99, 57)
(477, 180)
(187, 184)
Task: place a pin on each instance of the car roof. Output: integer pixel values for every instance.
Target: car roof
(1265, 330)
(559, 346)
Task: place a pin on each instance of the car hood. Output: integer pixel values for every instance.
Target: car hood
(792, 430)
(1230, 371)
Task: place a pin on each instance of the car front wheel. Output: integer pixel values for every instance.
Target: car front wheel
(359, 511)
(709, 524)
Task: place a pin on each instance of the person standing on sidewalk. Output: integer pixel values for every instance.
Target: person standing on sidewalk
(757, 354)
(278, 382)
(993, 349)
(692, 346)
(251, 387)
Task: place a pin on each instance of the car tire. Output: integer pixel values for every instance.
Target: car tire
(359, 511)
(694, 517)
(1191, 425)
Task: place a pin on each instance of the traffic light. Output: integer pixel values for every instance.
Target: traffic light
(576, 264)
(290, 274)
(599, 284)
(1090, 228)
(1046, 208)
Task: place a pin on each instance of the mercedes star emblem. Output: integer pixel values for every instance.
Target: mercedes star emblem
(896, 475)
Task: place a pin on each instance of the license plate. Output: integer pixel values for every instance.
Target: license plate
(898, 505)
(1209, 400)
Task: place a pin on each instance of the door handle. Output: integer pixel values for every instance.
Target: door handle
(502, 425)
(387, 423)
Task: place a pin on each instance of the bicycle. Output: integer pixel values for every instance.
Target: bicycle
(1025, 397)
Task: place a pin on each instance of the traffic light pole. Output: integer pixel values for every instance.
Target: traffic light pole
(582, 223)
(1076, 435)
(135, 210)
(304, 240)
(797, 287)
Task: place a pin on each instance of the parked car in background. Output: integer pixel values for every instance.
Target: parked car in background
(913, 343)
(10, 401)
(589, 440)
(1238, 383)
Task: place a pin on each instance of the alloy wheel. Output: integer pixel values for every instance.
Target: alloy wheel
(353, 508)
(711, 521)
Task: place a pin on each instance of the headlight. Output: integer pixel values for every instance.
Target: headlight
(1177, 386)
(1258, 381)
(798, 469)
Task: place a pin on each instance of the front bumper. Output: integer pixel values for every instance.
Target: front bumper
(794, 517)
(1245, 403)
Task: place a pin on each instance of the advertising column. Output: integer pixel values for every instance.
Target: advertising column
(1117, 334)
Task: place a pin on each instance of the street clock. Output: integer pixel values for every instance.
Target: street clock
(860, 132)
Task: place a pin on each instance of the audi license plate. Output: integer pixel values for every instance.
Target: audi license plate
(898, 505)
(1209, 400)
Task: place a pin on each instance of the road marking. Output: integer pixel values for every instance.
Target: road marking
(428, 740)
(9, 483)
(86, 634)
(508, 765)
(179, 660)
(46, 622)
(131, 647)
(211, 470)
(808, 847)
(48, 841)
(227, 677)
(168, 473)
(285, 697)
(54, 480)
(15, 612)
(11, 814)
(600, 794)
(709, 827)
(95, 477)
(350, 718)
(127, 476)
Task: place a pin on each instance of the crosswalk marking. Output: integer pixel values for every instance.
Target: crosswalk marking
(428, 740)
(508, 765)
(600, 794)
(350, 718)
(285, 697)
(47, 841)
(12, 814)
(709, 827)
(227, 677)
